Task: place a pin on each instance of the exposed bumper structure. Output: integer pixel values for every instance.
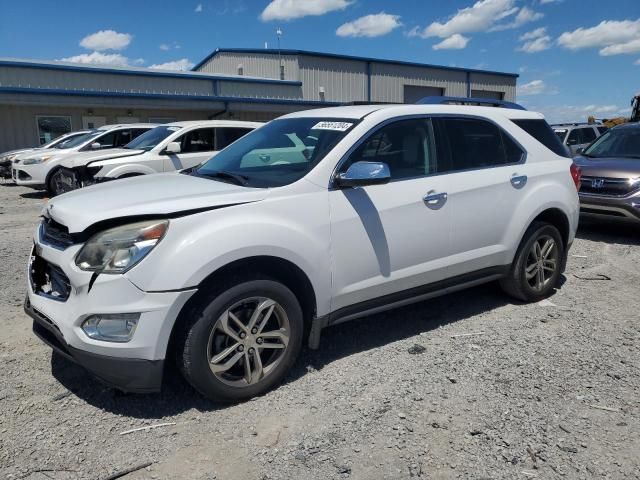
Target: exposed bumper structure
(59, 300)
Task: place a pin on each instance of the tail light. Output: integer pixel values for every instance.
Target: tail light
(576, 174)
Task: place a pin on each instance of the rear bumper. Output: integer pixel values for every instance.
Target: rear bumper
(127, 374)
(615, 208)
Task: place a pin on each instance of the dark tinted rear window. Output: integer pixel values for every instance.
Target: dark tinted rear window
(541, 131)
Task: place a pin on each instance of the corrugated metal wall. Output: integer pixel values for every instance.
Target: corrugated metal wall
(11, 76)
(495, 83)
(253, 64)
(19, 128)
(388, 81)
(342, 80)
(252, 90)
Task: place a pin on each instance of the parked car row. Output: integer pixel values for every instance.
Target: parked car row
(120, 151)
(227, 265)
(577, 136)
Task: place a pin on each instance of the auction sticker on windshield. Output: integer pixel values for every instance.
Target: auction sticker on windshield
(337, 126)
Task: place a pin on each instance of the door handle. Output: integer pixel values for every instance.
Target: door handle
(435, 201)
(518, 181)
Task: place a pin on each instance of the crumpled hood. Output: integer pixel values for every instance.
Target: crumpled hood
(157, 194)
(84, 158)
(610, 167)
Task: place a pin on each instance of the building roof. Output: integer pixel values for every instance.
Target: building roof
(275, 51)
(55, 65)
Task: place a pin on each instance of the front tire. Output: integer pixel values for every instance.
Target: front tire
(241, 340)
(59, 184)
(538, 263)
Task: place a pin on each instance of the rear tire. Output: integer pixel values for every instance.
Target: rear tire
(537, 266)
(241, 339)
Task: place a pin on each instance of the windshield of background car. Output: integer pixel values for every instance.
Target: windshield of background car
(150, 139)
(618, 142)
(281, 152)
(74, 142)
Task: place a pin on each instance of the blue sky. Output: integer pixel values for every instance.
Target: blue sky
(574, 57)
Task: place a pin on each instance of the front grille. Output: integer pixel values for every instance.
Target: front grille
(598, 211)
(608, 187)
(55, 234)
(48, 280)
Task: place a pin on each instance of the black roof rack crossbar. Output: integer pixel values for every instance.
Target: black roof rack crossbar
(484, 102)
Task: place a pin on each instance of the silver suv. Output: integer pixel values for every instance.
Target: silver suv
(578, 135)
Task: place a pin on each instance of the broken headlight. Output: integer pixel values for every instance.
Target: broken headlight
(118, 249)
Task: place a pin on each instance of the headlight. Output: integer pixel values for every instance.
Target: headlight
(118, 249)
(35, 160)
(111, 327)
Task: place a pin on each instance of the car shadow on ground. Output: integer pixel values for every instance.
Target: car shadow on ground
(39, 195)
(607, 231)
(337, 342)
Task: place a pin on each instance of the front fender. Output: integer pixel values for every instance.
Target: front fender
(198, 245)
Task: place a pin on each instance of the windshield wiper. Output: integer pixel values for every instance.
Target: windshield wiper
(236, 178)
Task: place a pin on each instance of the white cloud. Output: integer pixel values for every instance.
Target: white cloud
(536, 87)
(454, 42)
(291, 9)
(198, 8)
(622, 48)
(374, 25)
(479, 17)
(544, 2)
(97, 58)
(637, 62)
(538, 32)
(611, 36)
(165, 47)
(106, 40)
(524, 16)
(536, 45)
(182, 64)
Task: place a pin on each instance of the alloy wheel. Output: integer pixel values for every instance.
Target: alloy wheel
(542, 263)
(248, 341)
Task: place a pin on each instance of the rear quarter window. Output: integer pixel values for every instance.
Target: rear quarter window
(541, 131)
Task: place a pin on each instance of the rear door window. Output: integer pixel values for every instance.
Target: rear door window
(541, 131)
(225, 136)
(470, 143)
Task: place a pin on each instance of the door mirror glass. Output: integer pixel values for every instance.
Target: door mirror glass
(173, 147)
(360, 174)
(96, 146)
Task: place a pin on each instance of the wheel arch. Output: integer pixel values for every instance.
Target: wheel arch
(558, 219)
(280, 269)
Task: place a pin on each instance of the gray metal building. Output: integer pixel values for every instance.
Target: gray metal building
(39, 100)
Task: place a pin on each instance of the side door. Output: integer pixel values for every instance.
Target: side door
(196, 146)
(485, 180)
(388, 241)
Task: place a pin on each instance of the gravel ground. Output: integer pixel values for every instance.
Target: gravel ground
(472, 385)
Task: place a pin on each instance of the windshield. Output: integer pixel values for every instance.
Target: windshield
(150, 139)
(280, 153)
(74, 142)
(560, 134)
(61, 139)
(618, 142)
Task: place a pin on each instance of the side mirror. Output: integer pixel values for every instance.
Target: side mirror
(360, 174)
(173, 147)
(580, 151)
(96, 146)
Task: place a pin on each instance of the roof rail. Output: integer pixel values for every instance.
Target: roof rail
(486, 102)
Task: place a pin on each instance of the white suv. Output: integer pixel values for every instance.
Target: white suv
(39, 169)
(170, 147)
(231, 267)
